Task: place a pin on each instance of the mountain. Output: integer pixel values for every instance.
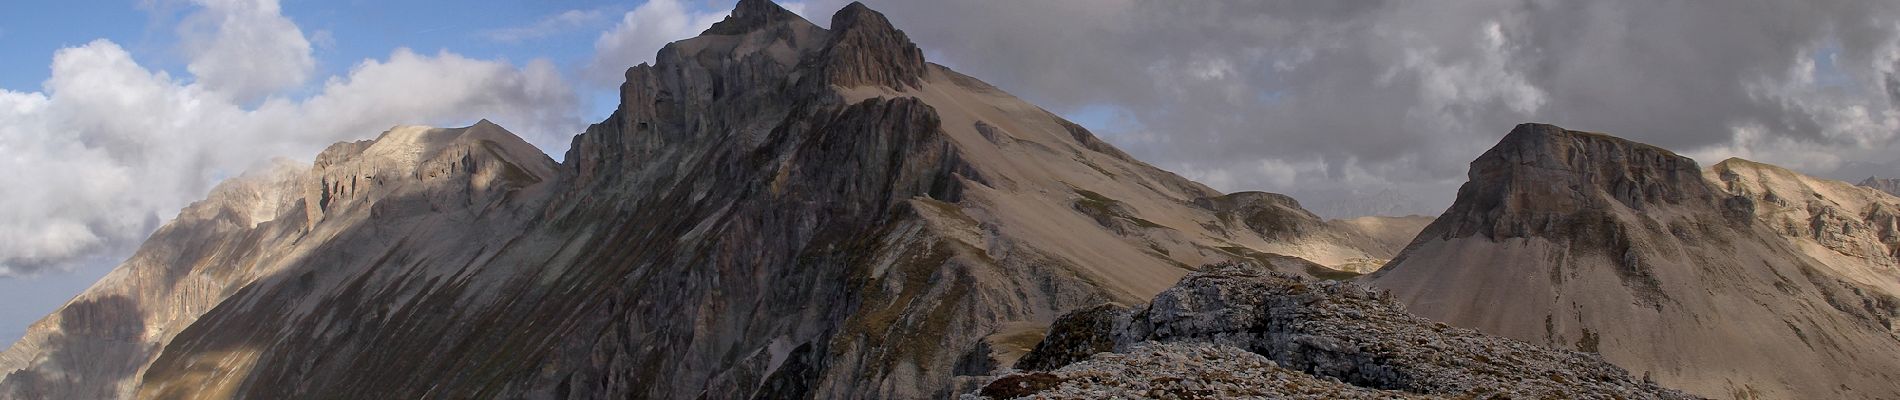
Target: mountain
(1889, 185)
(1743, 281)
(1241, 331)
(775, 210)
(250, 229)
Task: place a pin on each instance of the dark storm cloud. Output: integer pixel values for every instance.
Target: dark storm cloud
(1340, 100)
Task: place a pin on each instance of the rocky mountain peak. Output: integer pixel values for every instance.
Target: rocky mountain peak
(1540, 176)
(1587, 241)
(866, 50)
(472, 162)
(1889, 185)
(751, 15)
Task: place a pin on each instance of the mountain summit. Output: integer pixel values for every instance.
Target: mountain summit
(775, 210)
(1741, 281)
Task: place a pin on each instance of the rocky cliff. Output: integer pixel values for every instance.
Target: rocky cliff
(775, 210)
(1242, 330)
(1715, 282)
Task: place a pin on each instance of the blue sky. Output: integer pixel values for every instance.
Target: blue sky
(342, 33)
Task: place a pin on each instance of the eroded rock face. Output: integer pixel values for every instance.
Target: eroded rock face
(413, 169)
(866, 50)
(1838, 224)
(1702, 280)
(1545, 180)
(1329, 330)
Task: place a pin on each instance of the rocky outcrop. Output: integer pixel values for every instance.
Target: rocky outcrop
(414, 169)
(1542, 180)
(1889, 185)
(1848, 228)
(1176, 370)
(1711, 282)
(866, 50)
(1307, 331)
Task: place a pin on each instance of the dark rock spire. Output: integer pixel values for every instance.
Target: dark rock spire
(866, 50)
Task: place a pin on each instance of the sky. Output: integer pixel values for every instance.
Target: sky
(114, 115)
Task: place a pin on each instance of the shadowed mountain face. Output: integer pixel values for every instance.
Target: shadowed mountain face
(776, 210)
(1741, 281)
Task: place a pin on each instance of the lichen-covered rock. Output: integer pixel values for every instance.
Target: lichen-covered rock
(1340, 331)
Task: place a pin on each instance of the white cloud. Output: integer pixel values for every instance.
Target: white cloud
(109, 148)
(245, 49)
(640, 35)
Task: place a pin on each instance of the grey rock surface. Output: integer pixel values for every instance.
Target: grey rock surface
(1176, 370)
(1331, 330)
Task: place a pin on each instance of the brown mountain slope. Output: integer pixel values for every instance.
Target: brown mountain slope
(1588, 241)
(776, 210)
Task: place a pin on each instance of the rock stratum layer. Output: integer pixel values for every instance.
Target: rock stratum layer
(1296, 338)
(775, 210)
(1742, 281)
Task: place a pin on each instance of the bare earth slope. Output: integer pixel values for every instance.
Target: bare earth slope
(1583, 240)
(776, 210)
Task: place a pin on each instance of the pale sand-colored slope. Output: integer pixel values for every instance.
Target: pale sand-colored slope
(1736, 312)
(1037, 169)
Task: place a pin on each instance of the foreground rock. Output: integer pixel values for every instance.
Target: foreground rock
(1176, 370)
(1327, 331)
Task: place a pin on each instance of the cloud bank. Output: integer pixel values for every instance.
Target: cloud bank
(109, 148)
